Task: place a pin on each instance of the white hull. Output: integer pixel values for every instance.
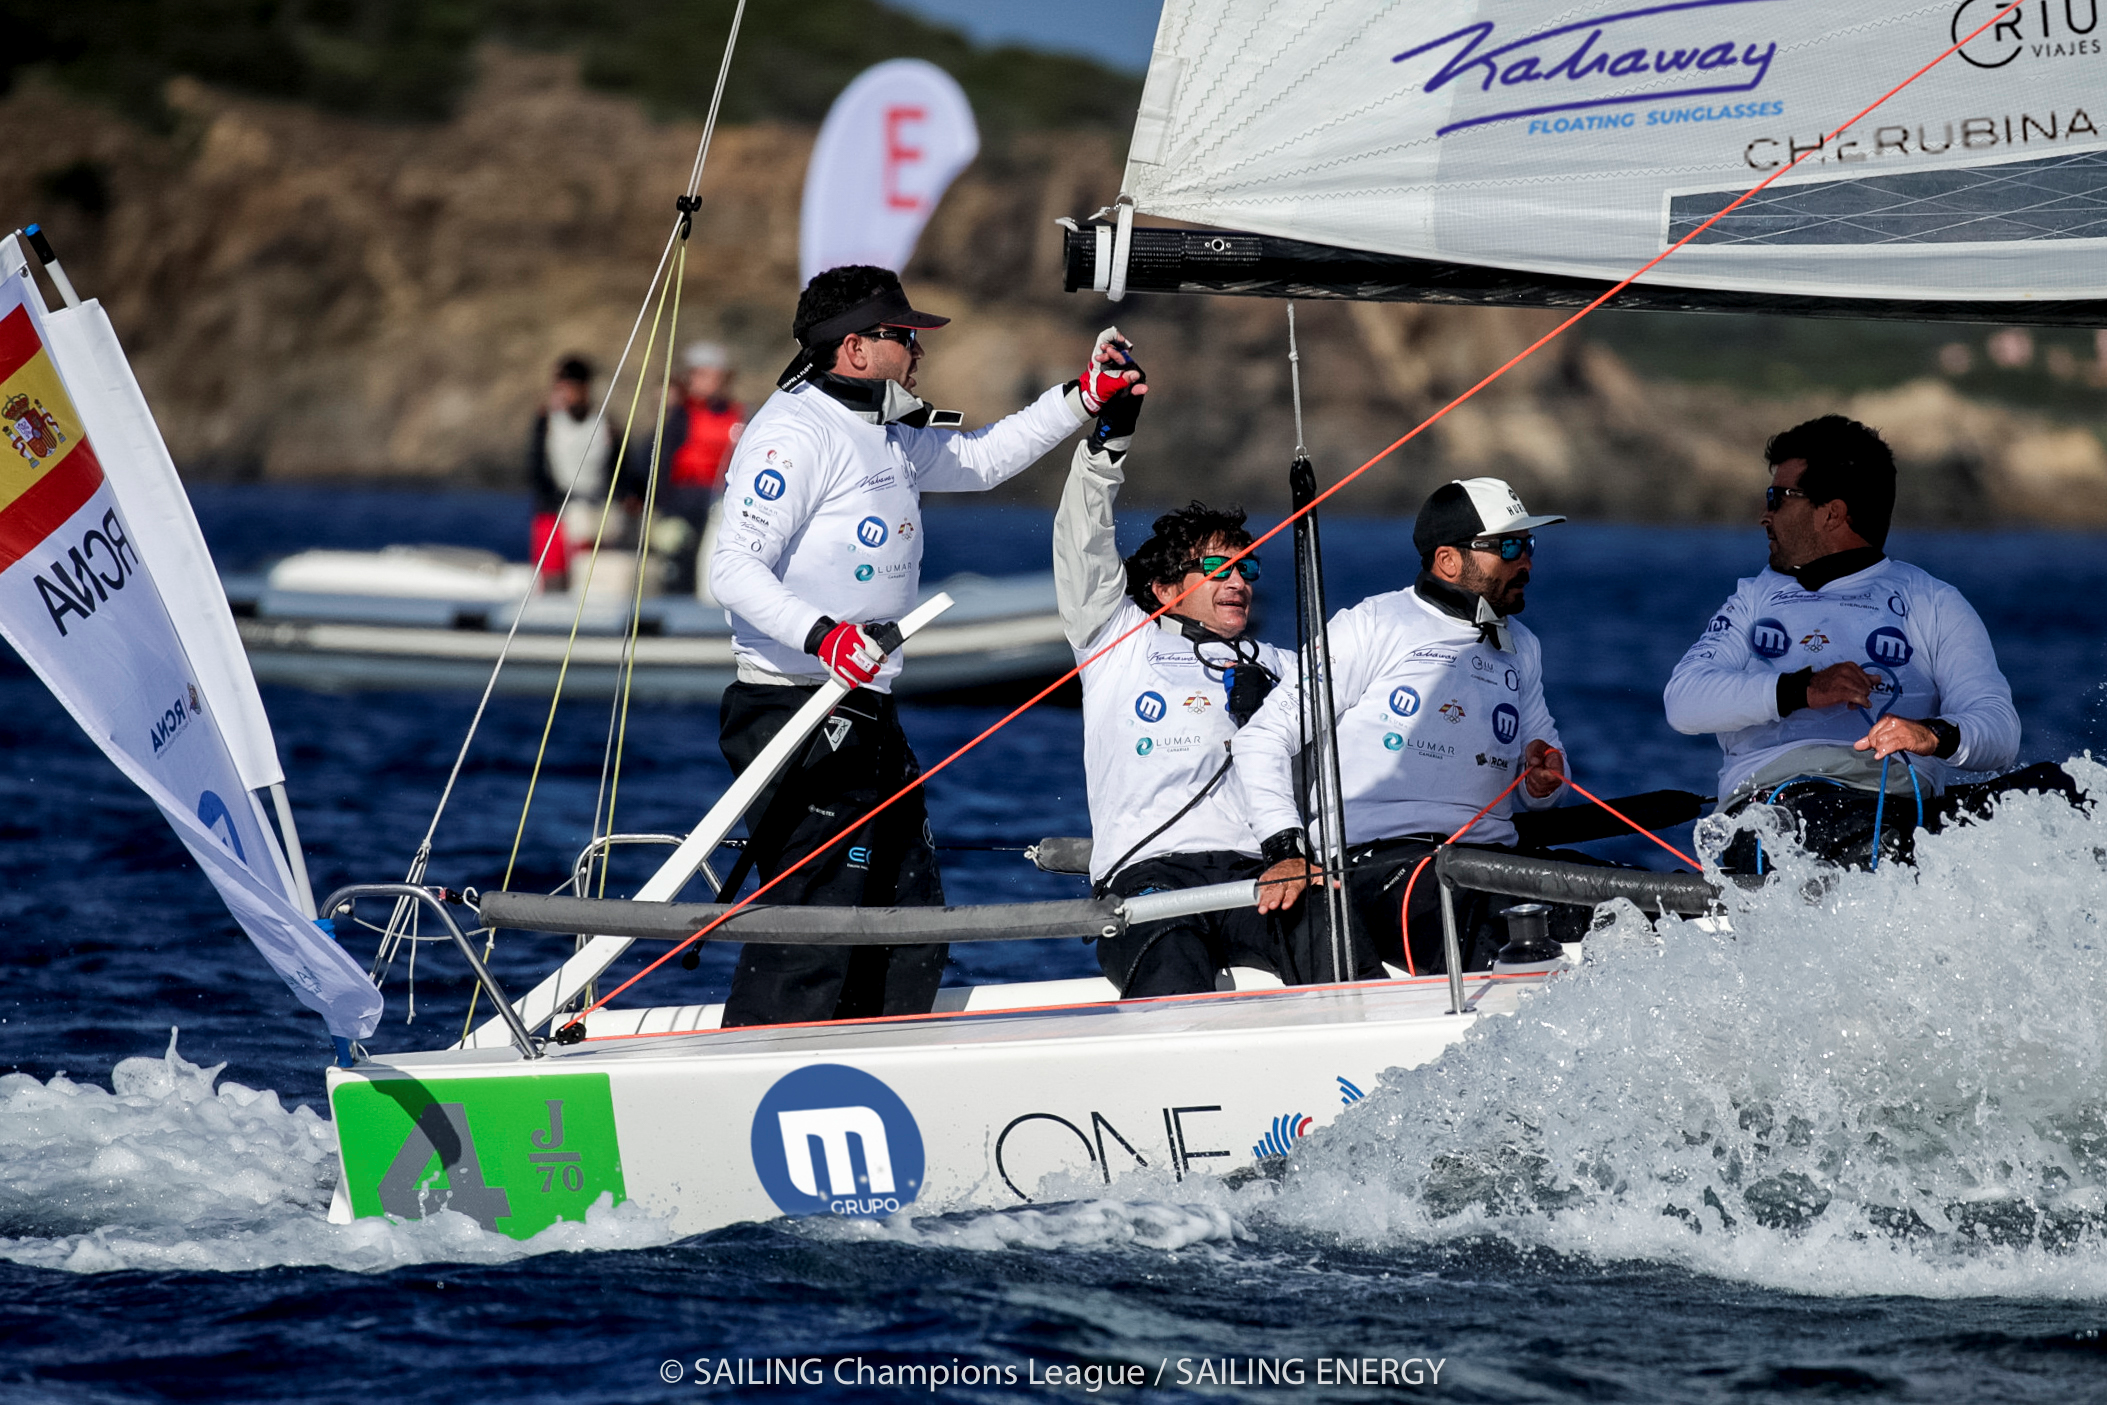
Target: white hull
(945, 1112)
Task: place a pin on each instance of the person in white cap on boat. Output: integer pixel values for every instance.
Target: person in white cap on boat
(701, 428)
(1440, 698)
(1838, 668)
(1159, 709)
(822, 541)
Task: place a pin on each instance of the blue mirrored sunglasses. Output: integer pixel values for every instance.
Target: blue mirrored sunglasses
(1510, 548)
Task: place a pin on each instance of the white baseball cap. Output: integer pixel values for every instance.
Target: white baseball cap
(1465, 508)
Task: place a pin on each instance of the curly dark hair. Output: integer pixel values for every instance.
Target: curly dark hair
(1847, 460)
(832, 293)
(1176, 538)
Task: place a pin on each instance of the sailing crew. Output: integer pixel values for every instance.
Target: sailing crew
(1838, 669)
(569, 456)
(822, 541)
(1159, 708)
(1439, 693)
(696, 447)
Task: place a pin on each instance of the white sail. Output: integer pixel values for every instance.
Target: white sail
(79, 603)
(1583, 139)
(136, 461)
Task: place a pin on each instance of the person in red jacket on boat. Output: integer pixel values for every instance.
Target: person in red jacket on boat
(700, 433)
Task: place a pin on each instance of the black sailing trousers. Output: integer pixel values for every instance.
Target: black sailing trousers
(855, 759)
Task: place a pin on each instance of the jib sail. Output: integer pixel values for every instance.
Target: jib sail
(80, 604)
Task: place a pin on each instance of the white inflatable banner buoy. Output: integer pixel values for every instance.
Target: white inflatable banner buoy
(891, 145)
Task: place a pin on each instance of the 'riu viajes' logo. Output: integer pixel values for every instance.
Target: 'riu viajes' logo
(1655, 53)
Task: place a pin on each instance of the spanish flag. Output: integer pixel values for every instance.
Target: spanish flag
(47, 469)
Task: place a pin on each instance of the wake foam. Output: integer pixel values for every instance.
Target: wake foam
(172, 1169)
(1885, 1082)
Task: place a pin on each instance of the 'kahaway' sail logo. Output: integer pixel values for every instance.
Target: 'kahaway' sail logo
(1642, 55)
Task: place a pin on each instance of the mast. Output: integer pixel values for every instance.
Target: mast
(1313, 661)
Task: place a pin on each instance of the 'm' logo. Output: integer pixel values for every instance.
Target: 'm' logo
(1769, 639)
(1150, 707)
(1506, 723)
(1890, 646)
(871, 531)
(1404, 701)
(769, 484)
(830, 1139)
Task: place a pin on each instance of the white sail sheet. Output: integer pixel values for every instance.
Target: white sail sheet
(79, 603)
(1583, 139)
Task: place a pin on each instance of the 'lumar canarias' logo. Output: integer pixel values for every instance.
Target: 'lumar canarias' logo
(51, 471)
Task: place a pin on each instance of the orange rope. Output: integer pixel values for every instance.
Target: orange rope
(1404, 911)
(1392, 448)
(1635, 824)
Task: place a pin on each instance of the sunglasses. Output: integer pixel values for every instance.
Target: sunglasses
(1774, 498)
(1216, 568)
(903, 335)
(1509, 548)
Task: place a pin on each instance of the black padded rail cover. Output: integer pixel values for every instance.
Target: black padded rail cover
(1578, 824)
(1058, 854)
(1268, 266)
(1550, 880)
(800, 926)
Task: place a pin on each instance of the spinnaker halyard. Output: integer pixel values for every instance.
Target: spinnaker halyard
(1528, 153)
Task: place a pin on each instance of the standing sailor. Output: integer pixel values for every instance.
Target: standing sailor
(1838, 667)
(1158, 712)
(822, 539)
(1440, 695)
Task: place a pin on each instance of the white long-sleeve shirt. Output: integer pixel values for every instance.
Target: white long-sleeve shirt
(1432, 725)
(1920, 639)
(1156, 723)
(823, 516)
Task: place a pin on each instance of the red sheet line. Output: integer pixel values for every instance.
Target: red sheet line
(1517, 359)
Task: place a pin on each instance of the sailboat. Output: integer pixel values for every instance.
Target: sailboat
(1490, 153)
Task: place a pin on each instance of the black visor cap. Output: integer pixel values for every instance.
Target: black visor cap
(887, 309)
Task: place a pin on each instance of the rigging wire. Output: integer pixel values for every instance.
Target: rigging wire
(666, 255)
(1517, 359)
(643, 559)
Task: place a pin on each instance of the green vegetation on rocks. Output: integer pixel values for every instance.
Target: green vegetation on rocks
(412, 60)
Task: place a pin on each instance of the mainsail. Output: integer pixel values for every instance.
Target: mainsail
(1534, 151)
(79, 602)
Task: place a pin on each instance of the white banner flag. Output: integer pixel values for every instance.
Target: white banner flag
(890, 147)
(80, 607)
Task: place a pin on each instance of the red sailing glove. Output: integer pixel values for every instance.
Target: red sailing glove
(1109, 371)
(851, 655)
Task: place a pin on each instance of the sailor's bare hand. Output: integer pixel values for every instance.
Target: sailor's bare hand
(1281, 885)
(1840, 683)
(1893, 734)
(1543, 769)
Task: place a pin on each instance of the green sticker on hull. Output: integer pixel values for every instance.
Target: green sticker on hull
(516, 1155)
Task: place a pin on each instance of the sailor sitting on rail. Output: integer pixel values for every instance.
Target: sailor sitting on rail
(1839, 668)
(1440, 700)
(822, 537)
(1158, 712)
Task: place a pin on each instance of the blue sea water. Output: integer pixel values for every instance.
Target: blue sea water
(162, 1234)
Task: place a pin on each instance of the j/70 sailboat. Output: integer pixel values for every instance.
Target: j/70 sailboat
(1503, 151)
